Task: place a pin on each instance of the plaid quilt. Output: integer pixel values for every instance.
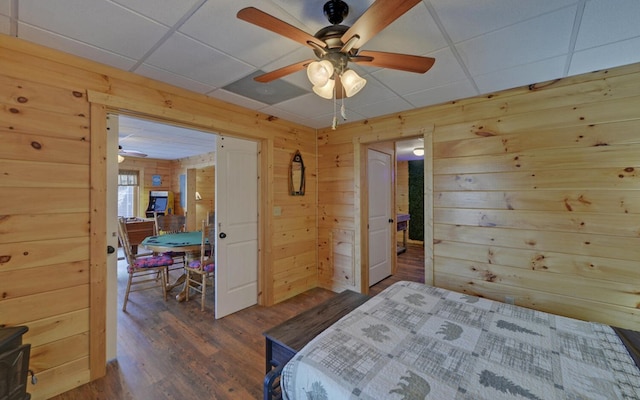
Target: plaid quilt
(414, 341)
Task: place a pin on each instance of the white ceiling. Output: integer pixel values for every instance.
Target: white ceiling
(480, 46)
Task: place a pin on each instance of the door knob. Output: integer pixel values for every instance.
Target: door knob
(222, 235)
(110, 250)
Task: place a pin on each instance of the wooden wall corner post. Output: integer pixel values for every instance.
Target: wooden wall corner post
(428, 207)
(267, 184)
(361, 205)
(192, 223)
(98, 246)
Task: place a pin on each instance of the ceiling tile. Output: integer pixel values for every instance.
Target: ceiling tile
(602, 57)
(288, 116)
(189, 58)
(326, 120)
(388, 106)
(167, 12)
(546, 36)
(521, 75)
(216, 25)
(605, 22)
(445, 70)
(173, 79)
(442, 94)
(71, 46)
(307, 106)
(413, 33)
(236, 99)
(98, 22)
(372, 90)
(465, 19)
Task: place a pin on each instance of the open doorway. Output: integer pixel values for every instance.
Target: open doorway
(406, 185)
(170, 174)
(410, 200)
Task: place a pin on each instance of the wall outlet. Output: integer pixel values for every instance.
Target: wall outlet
(277, 211)
(509, 300)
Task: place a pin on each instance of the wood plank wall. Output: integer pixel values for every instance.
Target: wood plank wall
(147, 167)
(51, 269)
(204, 164)
(536, 194)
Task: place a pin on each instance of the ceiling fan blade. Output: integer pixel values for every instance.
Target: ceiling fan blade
(130, 153)
(376, 18)
(280, 72)
(273, 24)
(403, 62)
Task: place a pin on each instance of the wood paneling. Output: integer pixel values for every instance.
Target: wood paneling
(530, 193)
(548, 171)
(53, 176)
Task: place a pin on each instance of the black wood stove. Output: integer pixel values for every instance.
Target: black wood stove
(14, 364)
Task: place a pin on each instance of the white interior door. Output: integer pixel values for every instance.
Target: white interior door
(379, 170)
(112, 237)
(236, 275)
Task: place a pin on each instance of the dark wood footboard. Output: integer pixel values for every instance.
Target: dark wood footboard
(631, 340)
(285, 340)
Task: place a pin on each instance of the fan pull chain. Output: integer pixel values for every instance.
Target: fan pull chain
(334, 122)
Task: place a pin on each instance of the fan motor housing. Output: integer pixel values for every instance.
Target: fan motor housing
(336, 11)
(332, 35)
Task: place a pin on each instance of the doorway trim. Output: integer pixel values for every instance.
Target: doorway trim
(102, 104)
(360, 146)
(387, 148)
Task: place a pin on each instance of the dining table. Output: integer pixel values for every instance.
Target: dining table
(187, 242)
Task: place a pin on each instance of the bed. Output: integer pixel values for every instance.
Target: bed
(414, 341)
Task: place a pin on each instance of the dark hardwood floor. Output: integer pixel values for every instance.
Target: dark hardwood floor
(171, 350)
(410, 268)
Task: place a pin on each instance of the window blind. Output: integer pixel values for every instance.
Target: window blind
(127, 178)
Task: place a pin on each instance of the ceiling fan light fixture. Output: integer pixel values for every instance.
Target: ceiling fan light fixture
(120, 159)
(418, 151)
(352, 82)
(319, 72)
(326, 90)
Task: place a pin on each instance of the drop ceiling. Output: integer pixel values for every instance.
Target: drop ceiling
(480, 46)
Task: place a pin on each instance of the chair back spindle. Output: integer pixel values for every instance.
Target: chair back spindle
(204, 267)
(147, 271)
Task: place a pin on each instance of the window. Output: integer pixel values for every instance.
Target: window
(127, 193)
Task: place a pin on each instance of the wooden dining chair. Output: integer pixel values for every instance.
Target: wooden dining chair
(143, 269)
(171, 223)
(203, 268)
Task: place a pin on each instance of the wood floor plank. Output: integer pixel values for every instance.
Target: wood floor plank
(172, 350)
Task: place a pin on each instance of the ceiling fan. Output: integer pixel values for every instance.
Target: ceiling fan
(129, 153)
(336, 45)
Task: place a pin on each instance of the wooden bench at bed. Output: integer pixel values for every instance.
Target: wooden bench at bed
(285, 340)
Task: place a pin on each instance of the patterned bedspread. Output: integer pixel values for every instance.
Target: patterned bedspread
(419, 342)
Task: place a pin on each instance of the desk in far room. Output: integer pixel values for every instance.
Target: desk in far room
(402, 221)
(137, 230)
